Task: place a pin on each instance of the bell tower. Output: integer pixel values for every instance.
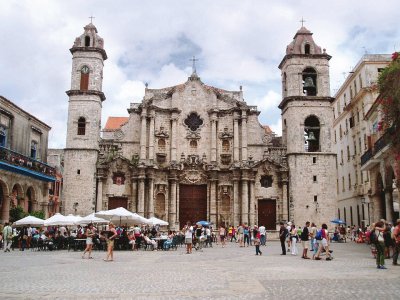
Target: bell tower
(84, 122)
(307, 119)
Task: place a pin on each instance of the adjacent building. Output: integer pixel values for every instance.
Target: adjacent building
(24, 174)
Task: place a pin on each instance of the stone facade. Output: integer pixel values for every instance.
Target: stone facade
(24, 174)
(193, 151)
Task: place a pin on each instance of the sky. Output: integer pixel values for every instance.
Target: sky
(238, 43)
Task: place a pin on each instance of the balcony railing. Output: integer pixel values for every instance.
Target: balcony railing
(381, 143)
(366, 156)
(19, 163)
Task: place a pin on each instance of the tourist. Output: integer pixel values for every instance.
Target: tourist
(312, 232)
(7, 237)
(380, 244)
(222, 235)
(240, 235)
(188, 230)
(396, 240)
(256, 240)
(23, 237)
(233, 234)
(111, 235)
(387, 236)
(263, 236)
(198, 234)
(208, 235)
(294, 238)
(305, 240)
(324, 243)
(89, 241)
(289, 229)
(246, 235)
(282, 237)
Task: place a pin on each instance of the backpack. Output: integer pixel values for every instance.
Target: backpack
(318, 236)
(373, 237)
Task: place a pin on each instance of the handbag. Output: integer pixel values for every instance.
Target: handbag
(24, 237)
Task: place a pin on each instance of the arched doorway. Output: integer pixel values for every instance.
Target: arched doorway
(17, 196)
(4, 201)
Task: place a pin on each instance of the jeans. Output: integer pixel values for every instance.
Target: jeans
(246, 238)
(283, 246)
(258, 250)
(263, 239)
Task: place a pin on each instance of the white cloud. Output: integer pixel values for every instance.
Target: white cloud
(277, 127)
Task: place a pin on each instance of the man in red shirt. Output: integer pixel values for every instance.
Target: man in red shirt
(396, 238)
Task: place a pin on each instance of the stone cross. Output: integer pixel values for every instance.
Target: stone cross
(194, 64)
(91, 19)
(302, 21)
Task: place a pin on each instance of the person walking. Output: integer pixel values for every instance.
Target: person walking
(7, 237)
(89, 241)
(111, 235)
(380, 245)
(256, 240)
(283, 232)
(293, 238)
(263, 236)
(305, 240)
(323, 243)
(222, 235)
(188, 231)
(396, 241)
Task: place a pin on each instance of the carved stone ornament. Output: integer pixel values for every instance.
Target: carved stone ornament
(161, 133)
(225, 135)
(193, 135)
(193, 177)
(267, 139)
(119, 134)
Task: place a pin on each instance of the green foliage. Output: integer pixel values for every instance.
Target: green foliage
(38, 214)
(17, 213)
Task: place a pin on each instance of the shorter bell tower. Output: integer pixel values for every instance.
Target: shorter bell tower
(307, 119)
(84, 122)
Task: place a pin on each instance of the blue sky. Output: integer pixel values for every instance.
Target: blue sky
(237, 43)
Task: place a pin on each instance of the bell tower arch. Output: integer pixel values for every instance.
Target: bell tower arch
(307, 119)
(84, 121)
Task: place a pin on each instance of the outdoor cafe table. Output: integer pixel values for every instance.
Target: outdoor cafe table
(160, 242)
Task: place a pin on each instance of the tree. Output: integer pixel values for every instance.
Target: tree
(38, 214)
(389, 99)
(17, 213)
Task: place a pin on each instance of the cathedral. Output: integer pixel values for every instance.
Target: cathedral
(194, 152)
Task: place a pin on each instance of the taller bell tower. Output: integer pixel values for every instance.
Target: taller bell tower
(307, 119)
(84, 122)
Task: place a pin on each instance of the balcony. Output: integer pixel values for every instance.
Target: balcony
(15, 162)
(372, 157)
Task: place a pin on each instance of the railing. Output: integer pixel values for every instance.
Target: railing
(366, 157)
(17, 159)
(381, 143)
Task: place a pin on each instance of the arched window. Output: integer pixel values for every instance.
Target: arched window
(87, 41)
(307, 49)
(34, 146)
(310, 82)
(84, 78)
(311, 134)
(81, 126)
(225, 146)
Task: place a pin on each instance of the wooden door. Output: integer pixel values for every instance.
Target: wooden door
(267, 213)
(192, 203)
(114, 202)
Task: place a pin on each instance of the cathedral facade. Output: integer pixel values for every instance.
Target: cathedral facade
(195, 152)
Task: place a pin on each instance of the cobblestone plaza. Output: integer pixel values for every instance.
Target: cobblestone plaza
(214, 273)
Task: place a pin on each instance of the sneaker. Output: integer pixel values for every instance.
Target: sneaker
(317, 258)
(382, 267)
(328, 258)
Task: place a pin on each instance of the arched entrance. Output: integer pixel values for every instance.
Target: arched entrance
(17, 196)
(192, 203)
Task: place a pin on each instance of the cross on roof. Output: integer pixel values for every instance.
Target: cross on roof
(91, 19)
(194, 59)
(302, 21)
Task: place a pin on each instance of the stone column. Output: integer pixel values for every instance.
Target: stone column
(213, 200)
(5, 212)
(173, 138)
(235, 137)
(143, 133)
(236, 198)
(284, 206)
(150, 212)
(151, 138)
(389, 204)
(172, 203)
(244, 136)
(252, 203)
(140, 206)
(99, 201)
(134, 186)
(177, 205)
(245, 201)
(213, 138)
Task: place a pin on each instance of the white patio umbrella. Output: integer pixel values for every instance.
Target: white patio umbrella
(29, 220)
(58, 220)
(92, 219)
(73, 218)
(121, 215)
(156, 221)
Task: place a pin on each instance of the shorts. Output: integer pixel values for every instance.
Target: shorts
(222, 237)
(305, 244)
(110, 243)
(188, 241)
(240, 236)
(89, 241)
(324, 243)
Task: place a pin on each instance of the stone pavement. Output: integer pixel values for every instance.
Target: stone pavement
(214, 273)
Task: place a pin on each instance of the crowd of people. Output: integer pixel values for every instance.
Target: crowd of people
(315, 241)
